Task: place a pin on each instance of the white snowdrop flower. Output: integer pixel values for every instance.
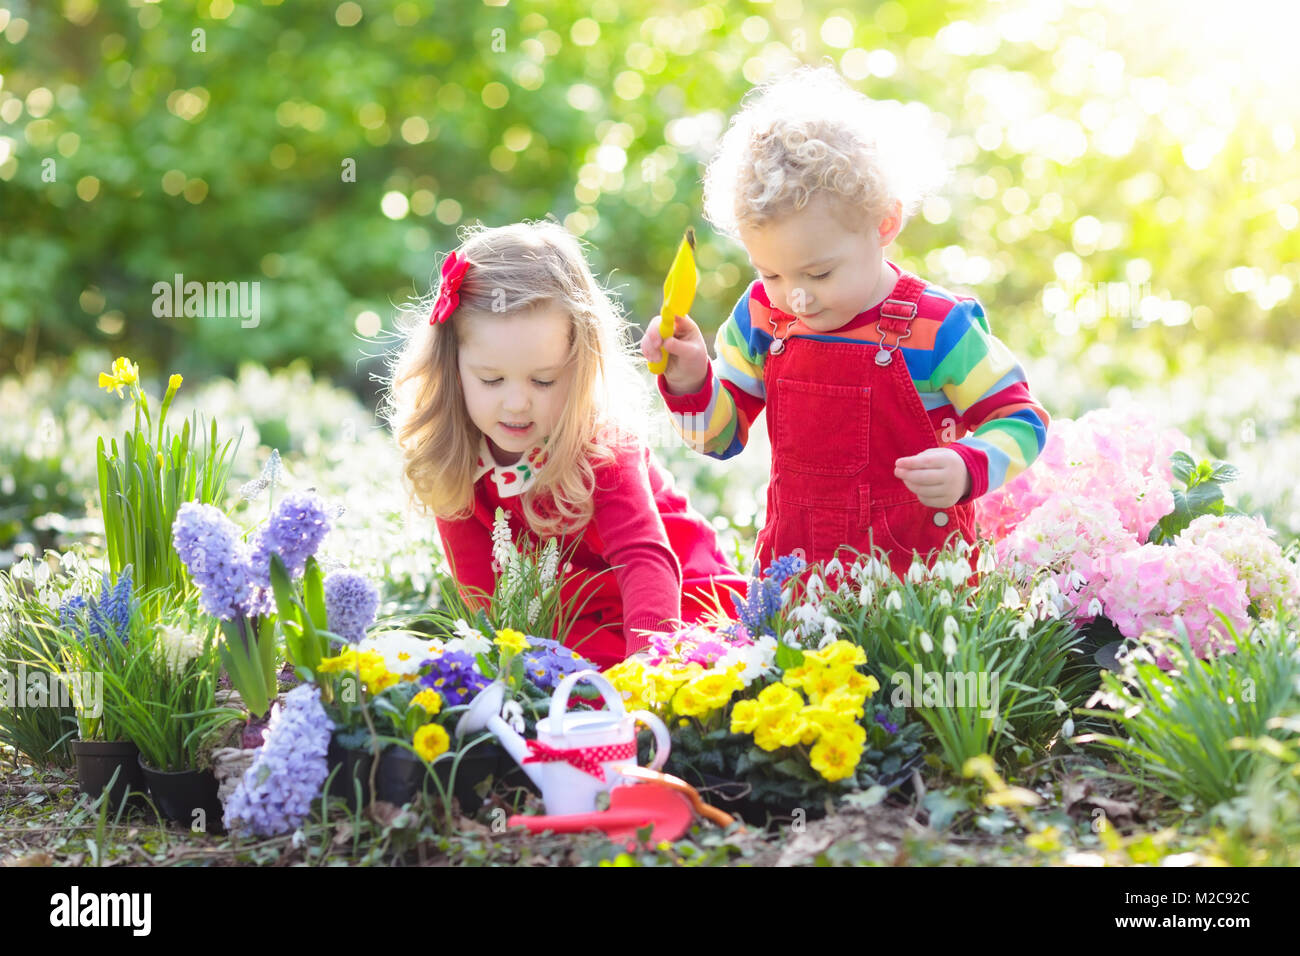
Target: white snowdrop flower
(1060, 706)
(834, 568)
(815, 588)
(1077, 580)
(950, 627)
(927, 643)
(1011, 598)
(917, 572)
(868, 593)
(1067, 728)
(894, 602)
(945, 598)
(1020, 630)
(949, 648)
(513, 714)
(987, 562)
(1095, 608)
(831, 628)
(844, 591)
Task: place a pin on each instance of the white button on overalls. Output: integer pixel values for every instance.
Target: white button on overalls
(940, 518)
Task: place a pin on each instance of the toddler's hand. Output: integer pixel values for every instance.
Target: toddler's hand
(688, 355)
(937, 476)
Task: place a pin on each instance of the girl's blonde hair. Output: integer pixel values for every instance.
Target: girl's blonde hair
(807, 134)
(520, 269)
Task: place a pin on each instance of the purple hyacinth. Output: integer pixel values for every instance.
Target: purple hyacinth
(294, 532)
(350, 604)
(548, 661)
(209, 544)
(110, 615)
(288, 770)
(454, 676)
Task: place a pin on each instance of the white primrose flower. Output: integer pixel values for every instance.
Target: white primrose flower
(756, 660)
(402, 653)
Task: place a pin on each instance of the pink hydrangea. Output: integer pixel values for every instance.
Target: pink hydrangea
(1116, 455)
(1246, 543)
(1068, 536)
(1150, 586)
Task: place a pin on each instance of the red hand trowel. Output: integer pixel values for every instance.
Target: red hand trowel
(662, 801)
(631, 808)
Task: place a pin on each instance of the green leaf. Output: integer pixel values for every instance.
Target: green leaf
(1182, 465)
(1202, 498)
(943, 805)
(787, 656)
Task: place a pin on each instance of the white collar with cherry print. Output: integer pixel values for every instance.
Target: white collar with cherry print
(510, 480)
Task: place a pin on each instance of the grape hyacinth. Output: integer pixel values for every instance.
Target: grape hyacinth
(764, 598)
(454, 676)
(288, 770)
(209, 544)
(350, 604)
(111, 614)
(548, 661)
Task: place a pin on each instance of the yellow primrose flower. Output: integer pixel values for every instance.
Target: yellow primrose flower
(429, 700)
(690, 703)
(431, 741)
(512, 641)
(779, 698)
(124, 372)
(835, 757)
(786, 731)
(744, 717)
(717, 688)
(844, 652)
(861, 685)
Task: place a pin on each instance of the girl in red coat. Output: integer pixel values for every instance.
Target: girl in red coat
(516, 393)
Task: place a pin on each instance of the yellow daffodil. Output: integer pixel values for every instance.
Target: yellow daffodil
(512, 641)
(429, 700)
(124, 372)
(431, 741)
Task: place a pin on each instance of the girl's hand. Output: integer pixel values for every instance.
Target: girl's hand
(937, 476)
(688, 355)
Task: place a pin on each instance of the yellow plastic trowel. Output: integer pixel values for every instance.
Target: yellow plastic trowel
(679, 293)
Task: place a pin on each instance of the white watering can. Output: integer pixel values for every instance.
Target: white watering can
(576, 756)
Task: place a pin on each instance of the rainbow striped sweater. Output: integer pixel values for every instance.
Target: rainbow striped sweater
(971, 386)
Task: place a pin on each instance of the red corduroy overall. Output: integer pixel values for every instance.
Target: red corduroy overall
(839, 415)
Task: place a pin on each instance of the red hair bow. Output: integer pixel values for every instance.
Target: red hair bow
(453, 273)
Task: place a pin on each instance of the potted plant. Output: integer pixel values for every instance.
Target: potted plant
(165, 701)
(92, 641)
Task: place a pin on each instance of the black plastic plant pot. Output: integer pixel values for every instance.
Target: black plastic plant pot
(346, 766)
(97, 760)
(187, 797)
(475, 766)
(401, 775)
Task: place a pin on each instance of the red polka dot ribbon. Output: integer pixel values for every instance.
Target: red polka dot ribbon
(586, 759)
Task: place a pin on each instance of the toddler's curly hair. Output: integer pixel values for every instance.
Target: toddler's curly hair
(809, 133)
